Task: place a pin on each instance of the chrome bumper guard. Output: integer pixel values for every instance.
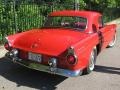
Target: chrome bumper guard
(44, 68)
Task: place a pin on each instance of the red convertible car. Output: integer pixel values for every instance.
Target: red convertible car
(67, 44)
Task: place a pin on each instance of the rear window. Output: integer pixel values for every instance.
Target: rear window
(79, 23)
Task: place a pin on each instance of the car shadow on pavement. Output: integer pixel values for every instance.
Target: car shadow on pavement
(26, 77)
(106, 69)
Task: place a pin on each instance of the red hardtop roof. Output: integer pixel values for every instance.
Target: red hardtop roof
(86, 14)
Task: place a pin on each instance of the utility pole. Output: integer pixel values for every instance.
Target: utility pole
(76, 4)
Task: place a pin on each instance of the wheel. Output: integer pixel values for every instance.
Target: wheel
(112, 43)
(92, 61)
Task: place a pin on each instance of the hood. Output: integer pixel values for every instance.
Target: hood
(46, 41)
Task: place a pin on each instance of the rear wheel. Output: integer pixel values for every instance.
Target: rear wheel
(92, 61)
(112, 43)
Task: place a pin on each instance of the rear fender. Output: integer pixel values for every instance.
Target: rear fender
(83, 50)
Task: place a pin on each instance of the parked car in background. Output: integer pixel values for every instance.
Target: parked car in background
(67, 44)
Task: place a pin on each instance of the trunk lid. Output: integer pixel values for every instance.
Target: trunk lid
(46, 41)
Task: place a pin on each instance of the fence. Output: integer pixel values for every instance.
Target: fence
(19, 16)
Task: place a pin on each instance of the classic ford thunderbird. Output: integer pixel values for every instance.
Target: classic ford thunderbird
(67, 44)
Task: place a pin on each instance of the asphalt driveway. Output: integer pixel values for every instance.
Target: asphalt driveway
(106, 76)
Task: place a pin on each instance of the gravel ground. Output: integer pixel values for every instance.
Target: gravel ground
(106, 76)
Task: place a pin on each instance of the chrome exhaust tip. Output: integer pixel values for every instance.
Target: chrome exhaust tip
(13, 54)
(52, 65)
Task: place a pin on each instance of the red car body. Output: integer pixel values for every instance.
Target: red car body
(61, 50)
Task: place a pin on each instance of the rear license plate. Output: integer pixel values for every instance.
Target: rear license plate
(35, 57)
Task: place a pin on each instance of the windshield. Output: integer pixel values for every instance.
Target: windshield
(79, 23)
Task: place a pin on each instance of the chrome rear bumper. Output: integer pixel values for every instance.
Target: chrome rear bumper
(44, 68)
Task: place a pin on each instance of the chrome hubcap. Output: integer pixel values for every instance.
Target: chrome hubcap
(91, 63)
(113, 41)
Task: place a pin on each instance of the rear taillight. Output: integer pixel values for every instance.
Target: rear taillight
(71, 59)
(7, 46)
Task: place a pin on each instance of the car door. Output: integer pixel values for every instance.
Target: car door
(104, 36)
(104, 33)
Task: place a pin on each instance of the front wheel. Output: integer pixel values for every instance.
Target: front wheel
(92, 61)
(112, 43)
